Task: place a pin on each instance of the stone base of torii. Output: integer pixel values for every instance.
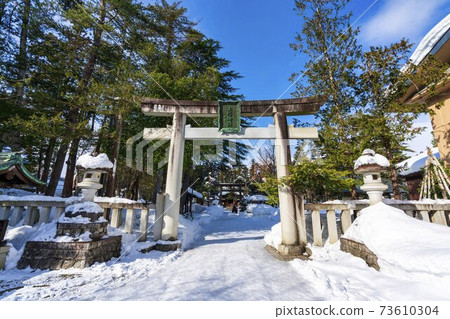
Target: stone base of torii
(291, 212)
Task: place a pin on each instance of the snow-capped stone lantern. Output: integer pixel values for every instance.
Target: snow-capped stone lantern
(81, 237)
(370, 165)
(92, 168)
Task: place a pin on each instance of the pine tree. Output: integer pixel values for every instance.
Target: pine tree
(385, 124)
(330, 43)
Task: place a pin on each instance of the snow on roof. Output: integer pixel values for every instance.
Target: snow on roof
(392, 236)
(430, 40)
(195, 193)
(415, 163)
(370, 158)
(117, 200)
(93, 162)
(255, 198)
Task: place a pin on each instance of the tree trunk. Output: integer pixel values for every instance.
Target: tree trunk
(98, 146)
(22, 60)
(112, 182)
(87, 74)
(184, 193)
(394, 181)
(48, 159)
(158, 185)
(70, 173)
(57, 168)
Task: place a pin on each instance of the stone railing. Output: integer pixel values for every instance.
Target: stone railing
(37, 212)
(328, 221)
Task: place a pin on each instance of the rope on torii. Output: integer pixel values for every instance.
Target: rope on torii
(435, 179)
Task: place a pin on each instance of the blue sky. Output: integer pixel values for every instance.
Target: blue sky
(255, 35)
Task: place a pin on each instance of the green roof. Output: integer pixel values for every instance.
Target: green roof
(13, 163)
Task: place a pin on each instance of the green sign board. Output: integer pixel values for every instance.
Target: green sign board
(229, 117)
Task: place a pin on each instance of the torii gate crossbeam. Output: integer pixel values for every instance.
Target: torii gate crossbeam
(293, 237)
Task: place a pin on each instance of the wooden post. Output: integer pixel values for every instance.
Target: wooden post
(5, 212)
(58, 212)
(425, 215)
(301, 220)
(410, 213)
(16, 216)
(174, 178)
(289, 232)
(44, 217)
(116, 217)
(346, 220)
(159, 212)
(129, 221)
(143, 225)
(439, 217)
(332, 227)
(317, 228)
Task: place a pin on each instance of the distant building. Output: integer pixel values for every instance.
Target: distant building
(13, 172)
(436, 42)
(412, 170)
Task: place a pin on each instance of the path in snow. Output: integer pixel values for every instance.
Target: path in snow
(230, 263)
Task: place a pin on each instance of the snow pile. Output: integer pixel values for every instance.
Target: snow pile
(215, 211)
(90, 207)
(402, 243)
(189, 231)
(273, 238)
(430, 40)
(197, 208)
(92, 162)
(18, 236)
(370, 158)
(261, 209)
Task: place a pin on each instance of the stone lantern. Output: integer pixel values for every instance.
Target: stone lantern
(370, 165)
(92, 168)
(81, 237)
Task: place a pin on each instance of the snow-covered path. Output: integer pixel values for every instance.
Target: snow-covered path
(228, 263)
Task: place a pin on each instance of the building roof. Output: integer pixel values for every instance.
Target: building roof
(14, 173)
(414, 164)
(433, 42)
(437, 43)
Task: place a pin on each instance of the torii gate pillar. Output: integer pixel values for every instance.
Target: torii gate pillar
(289, 229)
(292, 235)
(174, 177)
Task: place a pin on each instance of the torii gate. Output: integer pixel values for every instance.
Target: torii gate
(293, 237)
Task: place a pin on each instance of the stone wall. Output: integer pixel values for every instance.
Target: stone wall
(58, 255)
(75, 229)
(360, 250)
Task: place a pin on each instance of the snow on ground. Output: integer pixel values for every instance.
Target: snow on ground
(261, 209)
(405, 244)
(226, 260)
